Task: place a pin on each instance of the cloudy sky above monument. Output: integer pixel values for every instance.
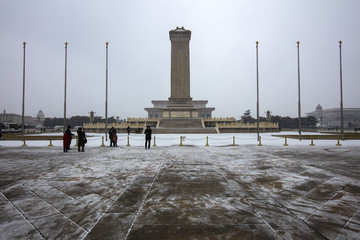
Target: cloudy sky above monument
(222, 54)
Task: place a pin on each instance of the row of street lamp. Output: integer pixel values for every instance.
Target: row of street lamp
(299, 100)
(23, 100)
(257, 85)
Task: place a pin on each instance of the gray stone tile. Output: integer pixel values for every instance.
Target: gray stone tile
(29, 204)
(351, 230)
(13, 225)
(78, 212)
(112, 226)
(211, 232)
(58, 227)
(205, 210)
(303, 207)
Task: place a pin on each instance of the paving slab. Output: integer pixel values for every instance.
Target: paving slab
(232, 192)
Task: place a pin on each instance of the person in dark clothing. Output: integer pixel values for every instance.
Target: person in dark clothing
(128, 130)
(115, 138)
(111, 136)
(67, 139)
(66, 142)
(147, 133)
(81, 139)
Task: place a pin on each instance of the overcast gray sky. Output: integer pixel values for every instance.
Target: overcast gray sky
(222, 54)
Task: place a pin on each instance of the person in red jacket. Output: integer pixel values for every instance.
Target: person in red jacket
(67, 139)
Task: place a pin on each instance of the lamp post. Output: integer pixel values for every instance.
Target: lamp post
(23, 98)
(299, 102)
(257, 90)
(106, 97)
(341, 96)
(65, 86)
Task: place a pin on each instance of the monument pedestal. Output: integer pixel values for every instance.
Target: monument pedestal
(180, 102)
(181, 123)
(180, 117)
(184, 131)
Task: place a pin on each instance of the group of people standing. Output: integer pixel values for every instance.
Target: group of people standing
(112, 136)
(68, 137)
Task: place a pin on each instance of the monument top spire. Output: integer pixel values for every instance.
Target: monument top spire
(180, 35)
(178, 29)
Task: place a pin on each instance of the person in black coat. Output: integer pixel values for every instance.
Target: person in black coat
(147, 133)
(81, 139)
(114, 138)
(111, 136)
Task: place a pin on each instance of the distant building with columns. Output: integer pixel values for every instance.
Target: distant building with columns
(12, 118)
(331, 118)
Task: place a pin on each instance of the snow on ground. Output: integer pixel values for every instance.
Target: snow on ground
(224, 139)
(173, 192)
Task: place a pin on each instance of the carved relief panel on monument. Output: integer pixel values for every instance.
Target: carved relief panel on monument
(180, 82)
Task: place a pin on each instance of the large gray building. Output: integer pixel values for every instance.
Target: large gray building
(12, 118)
(331, 118)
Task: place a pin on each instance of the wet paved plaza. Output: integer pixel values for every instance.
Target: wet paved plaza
(242, 192)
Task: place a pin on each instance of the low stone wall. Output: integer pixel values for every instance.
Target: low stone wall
(184, 131)
(262, 125)
(247, 130)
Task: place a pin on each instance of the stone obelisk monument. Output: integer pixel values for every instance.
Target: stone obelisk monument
(180, 112)
(180, 68)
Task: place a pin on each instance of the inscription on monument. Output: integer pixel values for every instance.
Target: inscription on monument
(180, 114)
(165, 114)
(180, 69)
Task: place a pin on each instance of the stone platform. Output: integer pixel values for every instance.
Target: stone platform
(180, 123)
(184, 130)
(245, 192)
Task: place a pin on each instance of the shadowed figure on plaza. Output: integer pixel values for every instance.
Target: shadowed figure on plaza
(81, 139)
(114, 138)
(147, 133)
(111, 136)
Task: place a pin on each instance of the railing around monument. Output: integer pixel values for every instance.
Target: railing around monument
(120, 127)
(134, 140)
(220, 119)
(264, 125)
(132, 119)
